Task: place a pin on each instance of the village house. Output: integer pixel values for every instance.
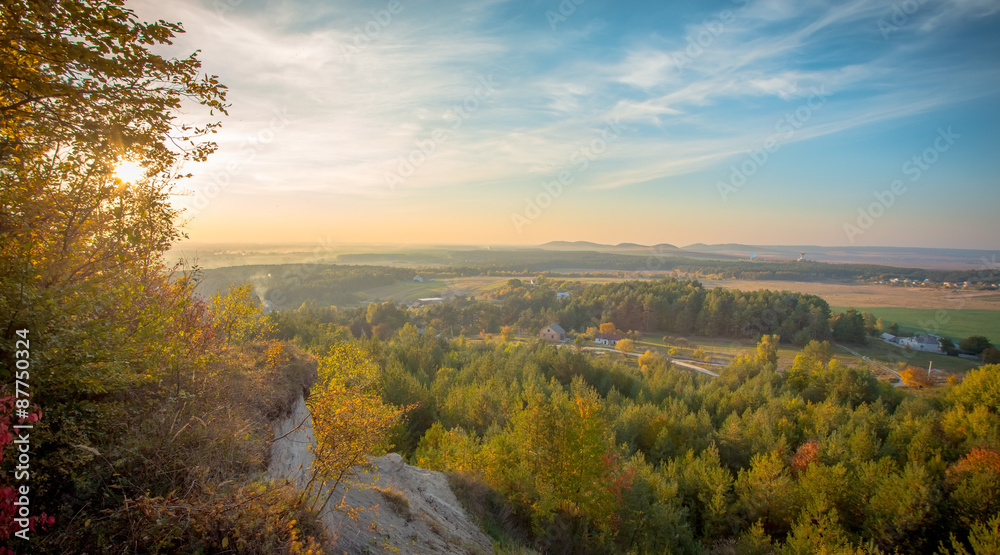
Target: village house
(562, 295)
(553, 332)
(927, 343)
(609, 339)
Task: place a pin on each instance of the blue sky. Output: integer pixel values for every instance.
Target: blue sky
(758, 121)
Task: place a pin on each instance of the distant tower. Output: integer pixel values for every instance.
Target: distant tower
(802, 256)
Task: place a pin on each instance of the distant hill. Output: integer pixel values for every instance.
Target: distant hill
(904, 257)
(900, 257)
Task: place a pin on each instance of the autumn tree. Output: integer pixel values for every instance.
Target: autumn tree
(607, 327)
(82, 251)
(626, 347)
(239, 315)
(350, 420)
(767, 350)
(915, 377)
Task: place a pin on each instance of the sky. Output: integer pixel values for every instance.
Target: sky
(806, 122)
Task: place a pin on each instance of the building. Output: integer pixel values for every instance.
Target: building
(927, 343)
(889, 338)
(562, 295)
(553, 332)
(418, 279)
(609, 339)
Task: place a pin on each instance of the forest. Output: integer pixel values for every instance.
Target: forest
(564, 452)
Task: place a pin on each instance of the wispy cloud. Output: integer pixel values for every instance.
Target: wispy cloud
(363, 91)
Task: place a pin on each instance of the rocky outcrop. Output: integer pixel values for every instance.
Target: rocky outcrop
(389, 506)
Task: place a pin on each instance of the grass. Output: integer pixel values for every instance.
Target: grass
(397, 500)
(719, 348)
(890, 355)
(956, 324)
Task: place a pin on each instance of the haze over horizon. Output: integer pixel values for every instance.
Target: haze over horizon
(764, 122)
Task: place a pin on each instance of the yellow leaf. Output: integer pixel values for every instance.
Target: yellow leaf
(225, 542)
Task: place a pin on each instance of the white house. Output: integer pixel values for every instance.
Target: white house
(562, 295)
(927, 343)
(609, 339)
(418, 279)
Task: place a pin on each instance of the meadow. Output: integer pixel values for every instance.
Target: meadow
(956, 324)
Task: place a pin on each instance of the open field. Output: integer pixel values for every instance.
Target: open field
(956, 324)
(863, 295)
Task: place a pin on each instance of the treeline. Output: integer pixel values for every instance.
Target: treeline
(560, 451)
(668, 306)
(529, 262)
(290, 285)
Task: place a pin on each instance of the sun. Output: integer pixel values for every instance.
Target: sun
(129, 171)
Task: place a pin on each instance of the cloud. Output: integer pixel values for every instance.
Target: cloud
(363, 91)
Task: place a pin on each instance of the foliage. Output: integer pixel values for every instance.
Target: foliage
(239, 315)
(350, 420)
(80, 259)
(975, 345)
(626, 347)
(849, 327)
(820, 458)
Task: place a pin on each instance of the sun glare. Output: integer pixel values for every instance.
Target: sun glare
(129, 171)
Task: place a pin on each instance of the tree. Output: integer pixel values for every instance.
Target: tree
(350, 420)
(608, 327)
(648, 359)
(975, 345)
(915, 377)
(948, 347)
(767, 350)
(849, 327)
(991, 355)
(81, 255)
(817, 352)
(239, 316)
(626, 347)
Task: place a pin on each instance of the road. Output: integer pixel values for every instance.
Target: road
(672, 361)
(870, 361)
